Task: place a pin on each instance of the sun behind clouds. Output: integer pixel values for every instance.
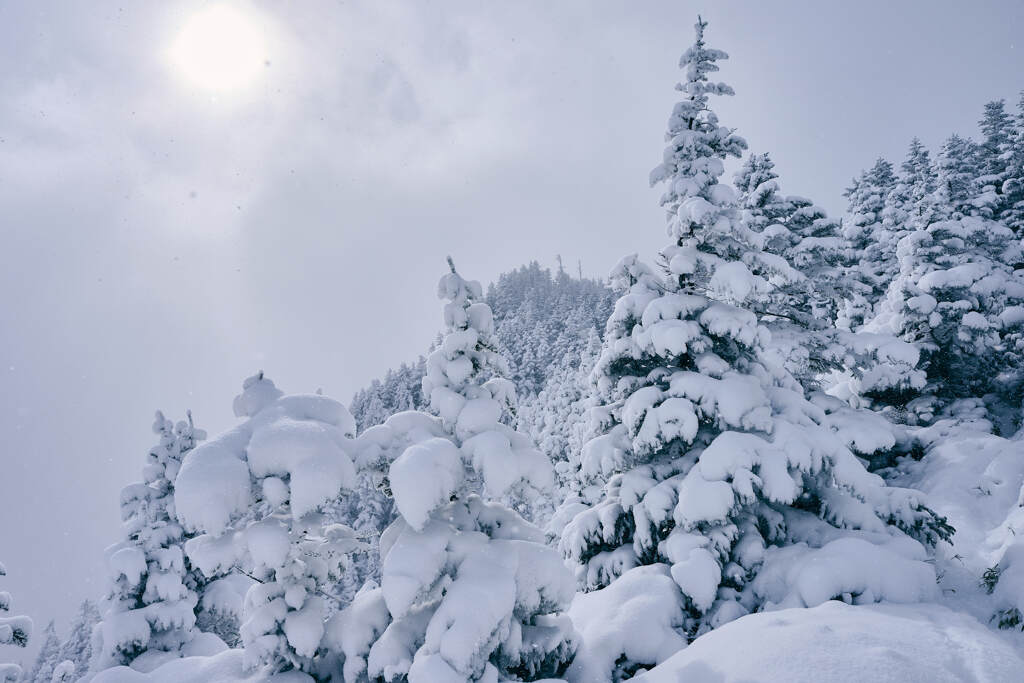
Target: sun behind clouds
(221, 48)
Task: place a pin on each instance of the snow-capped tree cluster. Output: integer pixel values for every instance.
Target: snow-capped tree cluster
(935, 253)
(66, 660)
(780, 413)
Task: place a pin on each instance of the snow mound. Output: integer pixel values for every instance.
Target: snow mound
(851, 644)
(638, 617)
(225, 667)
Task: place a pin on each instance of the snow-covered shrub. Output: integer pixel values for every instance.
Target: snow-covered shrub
(152, 601)
(255, 498)
(704, 458)
(468, 590)
(873, 370)
(634, 622)
(64, 672)
(14, 630)
(1004, 579)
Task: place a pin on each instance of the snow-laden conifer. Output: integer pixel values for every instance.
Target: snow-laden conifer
(78, 646)
(864, 231)
(994, 154)
(152, 600)
(908, 205)
(1012, 209)
(707, 461)
(468, 588)
(712, 250)
(258, 499)
(960, 301)
(47, 658)
(800, 310)
(958, 169)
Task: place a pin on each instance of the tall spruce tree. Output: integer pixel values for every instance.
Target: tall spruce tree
(705, 460)
(712, 251)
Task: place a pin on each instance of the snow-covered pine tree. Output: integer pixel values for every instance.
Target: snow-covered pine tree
(368, 406)
(78, 646)
(14, 630)
(468, 588)
(1012, 210)
(959, 300)
(258, 498)
(713, 250)
(908, 206)
(152, 601)
(864, 232)
(759, 197)
(47, 658)
(994, 154)
(801, 308)
(877, 369)
(706, 462)
(538, 319)
(958, 169)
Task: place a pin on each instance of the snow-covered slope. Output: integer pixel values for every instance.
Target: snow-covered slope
(976, 479)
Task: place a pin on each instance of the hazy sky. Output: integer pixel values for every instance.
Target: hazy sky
(158, 244)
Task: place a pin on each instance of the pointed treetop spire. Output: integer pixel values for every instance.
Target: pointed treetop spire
(451, 264)
(697, 144)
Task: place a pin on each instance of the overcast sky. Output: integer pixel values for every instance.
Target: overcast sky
(159, 244)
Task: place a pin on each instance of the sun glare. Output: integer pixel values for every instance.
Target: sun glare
(220, 48)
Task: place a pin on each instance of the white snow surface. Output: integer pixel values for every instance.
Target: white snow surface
(225, 667)
(839, 643)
